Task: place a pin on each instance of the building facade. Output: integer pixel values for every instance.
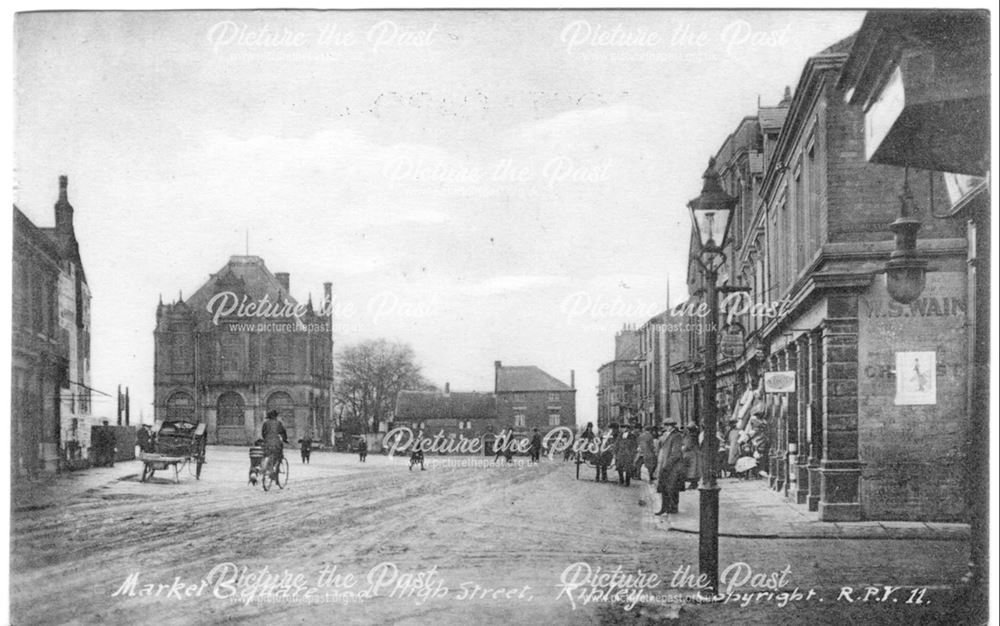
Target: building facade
(51, 412)
(875, 424)
(937, 65)
(452, 415)
(529, 398)
(239, 347)
(618, 387)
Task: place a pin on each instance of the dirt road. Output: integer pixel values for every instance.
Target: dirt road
(347, 542)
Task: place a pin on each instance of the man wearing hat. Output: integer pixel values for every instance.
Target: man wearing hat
(670, 467)
(145, 438)
(274, 436)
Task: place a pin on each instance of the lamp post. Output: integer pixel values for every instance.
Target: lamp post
(710, 213)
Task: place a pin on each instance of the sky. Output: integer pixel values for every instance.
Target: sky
(505, 185)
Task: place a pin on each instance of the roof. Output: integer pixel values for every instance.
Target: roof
(842, 46)
(243, 275)
(437, 405)
(771, 118)
(527, 378)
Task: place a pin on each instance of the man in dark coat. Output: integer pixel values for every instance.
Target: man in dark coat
(363, 449)
(145, 438)
(274, 435)
(536, 446)
(626, 447)
(671, 468)
(305, 447)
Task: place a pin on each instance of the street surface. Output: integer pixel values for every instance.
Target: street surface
(376, 543)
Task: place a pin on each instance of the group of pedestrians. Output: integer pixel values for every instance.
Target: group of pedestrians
(670, 456)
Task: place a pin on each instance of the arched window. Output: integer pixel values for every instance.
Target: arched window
(180, 406)
(231, 409)
(282, 403)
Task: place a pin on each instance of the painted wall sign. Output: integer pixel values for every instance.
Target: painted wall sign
(916, 378)
(779, 382)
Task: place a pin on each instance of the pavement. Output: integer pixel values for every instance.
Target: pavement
(750, 509)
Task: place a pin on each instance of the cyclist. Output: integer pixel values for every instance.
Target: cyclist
(274, 435)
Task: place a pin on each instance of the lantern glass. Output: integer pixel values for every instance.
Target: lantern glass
(711, 223)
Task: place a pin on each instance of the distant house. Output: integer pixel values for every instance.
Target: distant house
(468, 414)
(529, 398)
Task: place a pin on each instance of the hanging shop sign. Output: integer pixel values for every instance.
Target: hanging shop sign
(779, 382)
(732, 341)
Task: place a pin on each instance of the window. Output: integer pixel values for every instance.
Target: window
(279, 352)
(231, 351)
(180, 406)
(553, 419)
(553, 397)
(519, 419)
(282, 403)
(231, 409)
(180, 352)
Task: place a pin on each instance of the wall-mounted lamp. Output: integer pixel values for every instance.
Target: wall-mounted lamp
(905, 271)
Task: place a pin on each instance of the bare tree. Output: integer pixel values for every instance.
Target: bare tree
(369, 377)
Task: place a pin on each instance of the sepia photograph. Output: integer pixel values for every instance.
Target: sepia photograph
(502, 316)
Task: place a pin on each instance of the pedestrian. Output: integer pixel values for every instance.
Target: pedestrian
(144, 438)
(625, 451)
(363, 449)
(645, 455)
(734, 445)
(305, 447)
(536, 445)
(670, 468)
(692, 456)
(275, 436)
(109, 444)
(606, 452)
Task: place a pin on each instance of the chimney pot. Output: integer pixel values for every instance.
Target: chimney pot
(447, 388)
(283, 278)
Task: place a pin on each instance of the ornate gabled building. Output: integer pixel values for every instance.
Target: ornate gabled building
(239, 347)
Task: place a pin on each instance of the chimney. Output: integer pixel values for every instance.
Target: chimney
(64, 210)
(447, 388)
(496, 376)
(572, 379)
(327, 293)
(283, 278)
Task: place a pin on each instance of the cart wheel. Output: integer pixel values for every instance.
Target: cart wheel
(147, 472)
(282, 474)
(265, 473)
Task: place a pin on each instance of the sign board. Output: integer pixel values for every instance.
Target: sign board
(779, 382)
(732, 341)
(916, 378)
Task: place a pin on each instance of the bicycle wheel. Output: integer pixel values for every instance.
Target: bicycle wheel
(265, 473)
(281, 473)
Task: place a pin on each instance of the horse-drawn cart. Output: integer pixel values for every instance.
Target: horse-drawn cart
(176, 444)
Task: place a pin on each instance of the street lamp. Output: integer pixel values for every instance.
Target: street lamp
(710, 214)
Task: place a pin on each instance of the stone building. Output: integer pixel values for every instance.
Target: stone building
(662, 342)
(875, 425)
(618, 381)
(469, 415)
(529, 398)
(51, 412)
(240, 346)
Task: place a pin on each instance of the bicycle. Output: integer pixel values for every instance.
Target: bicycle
(277, 475)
